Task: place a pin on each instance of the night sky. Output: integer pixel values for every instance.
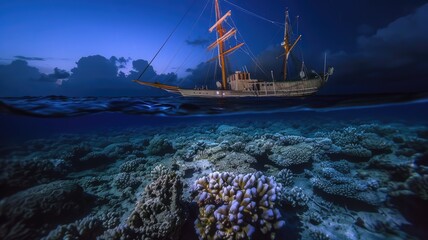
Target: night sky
(86, 48)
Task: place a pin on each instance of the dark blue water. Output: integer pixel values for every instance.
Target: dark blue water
(97, 155)
(32, 117)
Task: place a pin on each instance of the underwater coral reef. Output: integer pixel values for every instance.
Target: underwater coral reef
(220, 180)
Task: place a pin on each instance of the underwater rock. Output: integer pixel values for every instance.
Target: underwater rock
(355, 152)
(159, 145)
(86, 228)
(23, 215)
(376, 144)
(213, 153)
(19, 175)
(236, 162)
(319, 235)
(415, 143)
(121, 232)
(110, 220)
(159, 214)
(116, 150)
(259, 147)
(398, 169)
(227, 129)
(76, 153)
(237, 206)
(92, 160)
(315, 218)
(292, 155)
(189, 153)
(418, 184)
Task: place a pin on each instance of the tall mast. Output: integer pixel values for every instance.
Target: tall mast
(221, 55)
(222, 36)
(286, 43)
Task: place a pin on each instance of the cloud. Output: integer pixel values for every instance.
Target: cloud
(140, 66)
(198, 42)
(99, 76)
(93, 76)
(391, 59)
(58, 76)
(121, 62)
(29, 58)
(20, 79)
(202, 75)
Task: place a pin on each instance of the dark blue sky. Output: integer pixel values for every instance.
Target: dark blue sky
(365, 39)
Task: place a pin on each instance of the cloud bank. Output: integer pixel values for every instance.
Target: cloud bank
(389, 59)
(392, 59)
(93, 76)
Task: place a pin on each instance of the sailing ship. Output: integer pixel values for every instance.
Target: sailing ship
(240, 83)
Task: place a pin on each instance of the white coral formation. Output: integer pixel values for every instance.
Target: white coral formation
(295, 197)
(292, 139)
(237, 206)
(132, 165)
(335, 183)
(285, 177)
(292, 155)
(158, 171)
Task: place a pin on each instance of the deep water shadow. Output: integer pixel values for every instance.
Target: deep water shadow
(188, 231)
(415, 210)
(293, 226)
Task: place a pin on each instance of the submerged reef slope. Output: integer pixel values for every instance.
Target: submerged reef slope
(246, 179)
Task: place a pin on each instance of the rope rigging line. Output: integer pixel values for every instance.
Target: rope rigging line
(163, 45)
(209, 69)
(248, 52)
(188, 35)
(254, 14)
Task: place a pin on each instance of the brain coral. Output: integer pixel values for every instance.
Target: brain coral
(237, 206)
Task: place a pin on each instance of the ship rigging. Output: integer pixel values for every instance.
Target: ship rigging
(240, 83)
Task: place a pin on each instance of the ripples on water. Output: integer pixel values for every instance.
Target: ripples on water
(58, 106)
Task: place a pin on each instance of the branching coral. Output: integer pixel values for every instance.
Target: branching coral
(285, 177)
(237, 206)
(159, 214)
(295, 197)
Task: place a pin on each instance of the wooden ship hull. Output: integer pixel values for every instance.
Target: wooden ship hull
(252, 88)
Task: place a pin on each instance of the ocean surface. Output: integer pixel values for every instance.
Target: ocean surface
(322, 167)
